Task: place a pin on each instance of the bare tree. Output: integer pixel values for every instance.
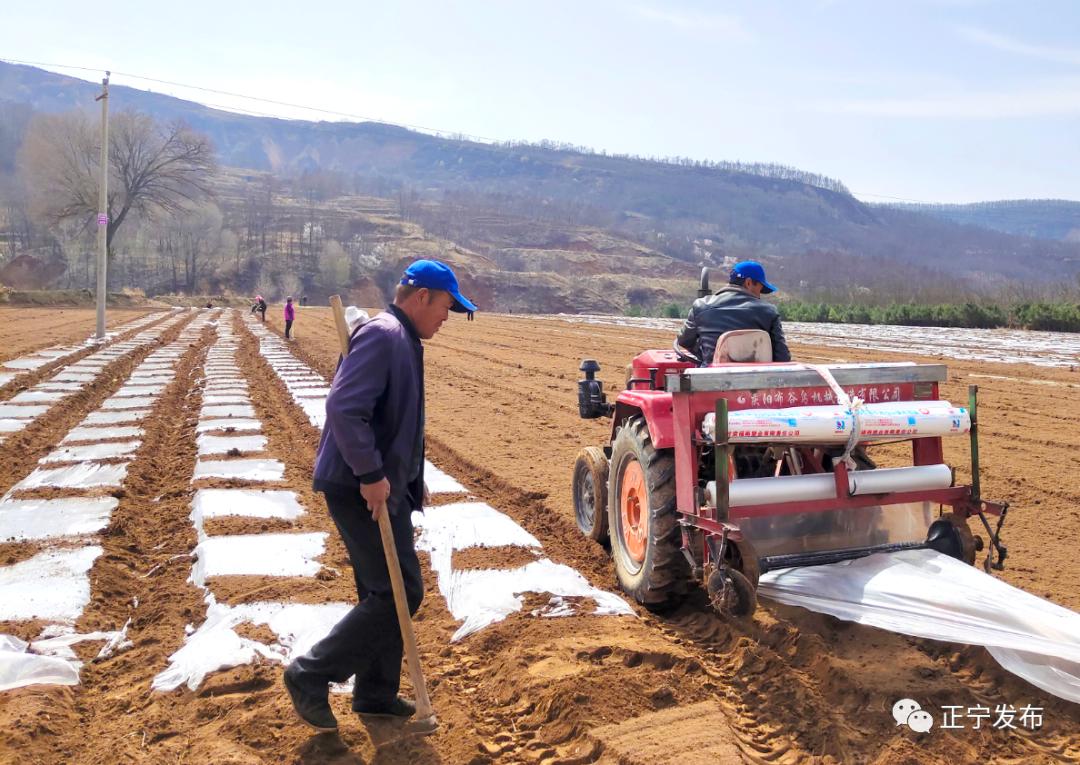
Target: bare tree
(200, 237)
(334, 267)
(154, 168)
(407, 201)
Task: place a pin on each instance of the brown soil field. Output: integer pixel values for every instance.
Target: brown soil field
(788, 686)
(27, 329)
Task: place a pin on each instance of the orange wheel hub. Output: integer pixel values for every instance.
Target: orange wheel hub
(634, 510)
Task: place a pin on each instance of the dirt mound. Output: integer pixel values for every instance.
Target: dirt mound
(26, 272)
(42, 297)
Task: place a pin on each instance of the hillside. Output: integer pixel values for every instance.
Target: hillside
(1057, 219)
(521, 265)
(491, 198)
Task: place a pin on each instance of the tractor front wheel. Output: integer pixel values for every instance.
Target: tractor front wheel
(590, 493)
(642, 518)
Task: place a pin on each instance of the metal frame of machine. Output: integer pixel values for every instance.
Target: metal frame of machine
(657, 423)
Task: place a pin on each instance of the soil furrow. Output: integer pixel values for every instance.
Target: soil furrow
(32, 378)
(23, 449)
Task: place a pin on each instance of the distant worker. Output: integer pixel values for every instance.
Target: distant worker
(290, 316)
(259, 307)
(738, 305)
(469, 315)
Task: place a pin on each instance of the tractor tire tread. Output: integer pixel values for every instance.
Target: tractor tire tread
(594, 462)
(664, 573)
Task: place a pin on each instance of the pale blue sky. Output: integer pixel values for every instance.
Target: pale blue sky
(927, 100)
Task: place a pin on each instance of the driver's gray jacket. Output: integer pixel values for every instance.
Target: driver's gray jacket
(731, 308)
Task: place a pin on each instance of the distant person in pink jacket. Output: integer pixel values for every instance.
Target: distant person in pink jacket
(290, 316)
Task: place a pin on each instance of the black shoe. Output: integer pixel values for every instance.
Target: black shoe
(398, 708)
(311, 709)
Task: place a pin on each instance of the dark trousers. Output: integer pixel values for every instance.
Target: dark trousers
(288, 327)
(367, 641)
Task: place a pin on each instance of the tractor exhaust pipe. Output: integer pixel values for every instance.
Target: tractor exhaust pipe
(703, 286)
(592, 403)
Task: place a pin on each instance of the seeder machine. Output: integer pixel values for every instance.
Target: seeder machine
(720, 473)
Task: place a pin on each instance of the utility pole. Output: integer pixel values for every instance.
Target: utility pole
(103, 208)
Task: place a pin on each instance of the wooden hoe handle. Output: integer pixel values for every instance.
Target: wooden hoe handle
(408, 637)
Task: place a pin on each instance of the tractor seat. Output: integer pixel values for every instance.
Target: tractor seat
(743, 346)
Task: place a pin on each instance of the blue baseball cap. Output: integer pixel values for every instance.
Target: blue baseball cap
(436, 275)
(751, 269)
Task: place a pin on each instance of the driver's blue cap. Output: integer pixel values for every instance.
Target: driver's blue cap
(436, 275)
(751, 269)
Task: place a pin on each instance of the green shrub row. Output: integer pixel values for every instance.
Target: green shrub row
(1056, 317)
(1051, 317)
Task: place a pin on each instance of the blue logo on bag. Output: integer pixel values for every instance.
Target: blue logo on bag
(841, 425)
(910, 420)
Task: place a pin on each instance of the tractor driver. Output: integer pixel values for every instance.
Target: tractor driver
(737, 305)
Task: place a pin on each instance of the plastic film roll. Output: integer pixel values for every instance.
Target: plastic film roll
(745, 492)
(918, 419)
(833, 424)
(885, 480)
(765, 491)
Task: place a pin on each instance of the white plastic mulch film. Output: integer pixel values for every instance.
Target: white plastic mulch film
(53, 585)
(258, 555)
(13, 368)
(1009, 346)
(244, 469)
(22, 409)
(929, 595)
(228, 427)
(216, 645)
(475, 597)
(478, 598)
(297, 376)
(481, 597)
(23, 519)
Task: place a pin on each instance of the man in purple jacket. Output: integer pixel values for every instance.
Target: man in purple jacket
(371, 461)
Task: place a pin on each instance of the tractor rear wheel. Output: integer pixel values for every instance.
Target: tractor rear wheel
(642, 519)
(590, 493)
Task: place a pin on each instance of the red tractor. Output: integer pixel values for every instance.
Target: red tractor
(719, 473)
